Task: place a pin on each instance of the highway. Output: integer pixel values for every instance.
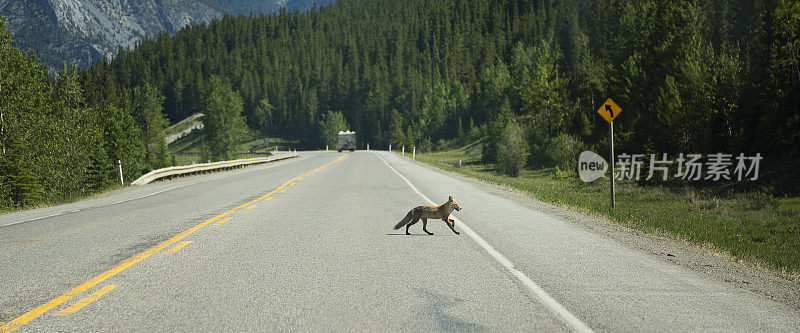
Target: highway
(307, 244)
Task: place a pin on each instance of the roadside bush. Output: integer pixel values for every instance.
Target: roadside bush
(563, 150)
(512, 149)
(494, 132)
(426, 146)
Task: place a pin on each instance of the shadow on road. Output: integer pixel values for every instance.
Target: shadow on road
(403, 234)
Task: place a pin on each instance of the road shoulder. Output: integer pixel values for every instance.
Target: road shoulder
(705, 260)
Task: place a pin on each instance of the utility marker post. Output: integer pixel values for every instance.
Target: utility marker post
(404, 151)
(609, 111)
(414, 154)
(390, 147)
(367, 146)
(121, 180)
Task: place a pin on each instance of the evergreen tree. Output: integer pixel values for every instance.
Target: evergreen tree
(331, 124)
(122, 141)
(224, 123)
(497, 124)
(147, 103)
(396, 135)
(262, 116)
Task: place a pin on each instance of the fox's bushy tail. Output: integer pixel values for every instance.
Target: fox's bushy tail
(405, 220)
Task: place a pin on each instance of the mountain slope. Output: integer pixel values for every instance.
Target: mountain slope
(83, 31)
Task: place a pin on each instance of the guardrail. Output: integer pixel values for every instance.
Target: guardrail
(238, 154)
(184, 170)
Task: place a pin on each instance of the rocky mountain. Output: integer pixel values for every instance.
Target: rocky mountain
(83, 31)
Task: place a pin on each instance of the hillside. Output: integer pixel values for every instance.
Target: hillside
(708, 77)
(84, 31)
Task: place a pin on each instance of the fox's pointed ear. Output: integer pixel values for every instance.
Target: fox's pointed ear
(451, 198)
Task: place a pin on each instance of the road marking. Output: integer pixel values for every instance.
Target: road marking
(86, 300)
(222, 221)
(300, 178)
(291, 184)
(152, 194)
(101, 206)
(41, 309)
(179, 246)
(269, 198)
(559, 310)
(250, 207)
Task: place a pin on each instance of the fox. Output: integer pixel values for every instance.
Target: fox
(430, 212)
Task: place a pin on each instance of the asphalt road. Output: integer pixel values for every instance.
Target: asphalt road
(307, 244)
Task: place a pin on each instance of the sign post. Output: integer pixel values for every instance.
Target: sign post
(609, 111)
(611, 158)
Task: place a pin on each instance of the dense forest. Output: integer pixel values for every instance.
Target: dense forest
(700, 76)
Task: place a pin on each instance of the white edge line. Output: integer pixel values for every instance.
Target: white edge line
(149, 195)
(559, 310)
(101, 206)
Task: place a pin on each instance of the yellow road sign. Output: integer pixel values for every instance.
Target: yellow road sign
(609, 110)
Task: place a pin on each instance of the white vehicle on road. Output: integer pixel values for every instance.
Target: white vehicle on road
(347, 140)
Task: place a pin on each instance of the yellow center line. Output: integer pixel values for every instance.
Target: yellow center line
(179, 246)
(291, 184)
(41, 309)
(222, 221)
(86, 300)
(250, 207)
(269, 198)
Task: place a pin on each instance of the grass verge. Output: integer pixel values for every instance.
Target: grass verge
(753, 228)
(63, 201)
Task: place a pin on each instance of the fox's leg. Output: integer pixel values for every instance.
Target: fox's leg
(450, 223)
(415, 219)
(425, 226)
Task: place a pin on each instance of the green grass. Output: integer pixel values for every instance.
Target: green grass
(253, 143)
(185, 159)
(755, 228)
(80, 196)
